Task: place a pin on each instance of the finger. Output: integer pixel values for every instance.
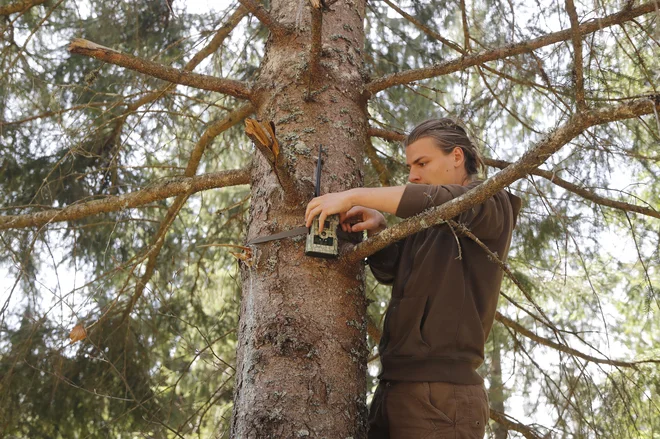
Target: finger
(312, 214)
(322, 218)
(358, 227)
(310, 206)
(354, 211)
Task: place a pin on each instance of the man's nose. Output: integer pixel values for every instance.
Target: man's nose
(413, 178)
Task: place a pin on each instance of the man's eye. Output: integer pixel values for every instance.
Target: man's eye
(421, 165)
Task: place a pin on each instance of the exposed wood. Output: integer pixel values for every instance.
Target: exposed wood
(315, 47)
(462, 63)
(230, 87)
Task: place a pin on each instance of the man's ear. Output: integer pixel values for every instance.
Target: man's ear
(458, 155)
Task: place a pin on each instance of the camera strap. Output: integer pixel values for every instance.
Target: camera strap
(286, 234)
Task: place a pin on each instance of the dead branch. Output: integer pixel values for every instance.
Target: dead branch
(506, 421)
(535, 156)
(160, 191)
(464, 62)
(230, 87)
(578, 65)
(218, 38)
(264, 17)
(19, 6)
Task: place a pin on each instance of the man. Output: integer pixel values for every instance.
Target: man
(443, 305)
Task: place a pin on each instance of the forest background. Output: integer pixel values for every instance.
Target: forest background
(122, 319)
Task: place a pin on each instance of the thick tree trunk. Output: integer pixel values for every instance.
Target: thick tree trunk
(301, 346)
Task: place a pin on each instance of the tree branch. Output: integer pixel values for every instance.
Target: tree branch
(428, 31)
(383, 174)
(578, 67)
(19, 6)
(538, 154)
(464, 62)
(205, 82)
(207, 137)
(551, 176)
(562, 348)
(584, 193)
(264, 17)
(393, 136)
(504, 419)
(159, 191)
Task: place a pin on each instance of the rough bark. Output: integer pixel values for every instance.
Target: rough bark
(301, 354)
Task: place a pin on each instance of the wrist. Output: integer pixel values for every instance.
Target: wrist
(354, 196)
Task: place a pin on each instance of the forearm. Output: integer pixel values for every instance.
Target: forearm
(384, 199)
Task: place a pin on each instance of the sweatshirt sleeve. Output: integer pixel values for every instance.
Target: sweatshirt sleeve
(485, 220)
(385, 262)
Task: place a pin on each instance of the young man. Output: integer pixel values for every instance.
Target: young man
(442, 306)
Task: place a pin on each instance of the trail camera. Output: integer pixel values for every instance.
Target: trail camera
(324, 244)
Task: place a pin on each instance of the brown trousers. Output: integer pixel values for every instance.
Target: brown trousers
(423, 410)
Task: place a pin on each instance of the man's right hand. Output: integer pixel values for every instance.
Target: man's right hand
(370, 220)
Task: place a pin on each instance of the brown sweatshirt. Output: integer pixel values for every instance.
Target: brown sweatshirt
(442, 308)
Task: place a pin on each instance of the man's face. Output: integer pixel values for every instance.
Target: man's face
(428, 164)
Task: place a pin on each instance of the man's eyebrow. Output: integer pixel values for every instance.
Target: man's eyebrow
(417, 160)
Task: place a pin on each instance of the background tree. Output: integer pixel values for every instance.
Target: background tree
(125, 265)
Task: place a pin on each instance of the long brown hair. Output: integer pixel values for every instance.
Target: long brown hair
(447, 135)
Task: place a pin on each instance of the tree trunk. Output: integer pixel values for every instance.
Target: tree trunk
(496, 389)
(301, 355)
